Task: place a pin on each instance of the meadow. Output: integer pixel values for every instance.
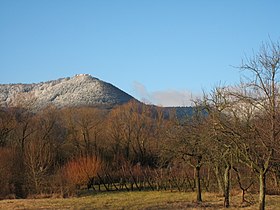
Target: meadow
(139, 200)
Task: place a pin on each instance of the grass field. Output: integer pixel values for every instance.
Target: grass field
(135, 200)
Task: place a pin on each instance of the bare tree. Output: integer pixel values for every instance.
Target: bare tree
(40, 150)
(7, 125)
(221, 152)
(133, 131)
(121, 128)
(84, 127)
(187, 141)
(252, 113)
(24, 128)
(261, 91)
(38, 159)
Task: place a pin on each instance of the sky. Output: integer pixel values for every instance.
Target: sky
(164, 52)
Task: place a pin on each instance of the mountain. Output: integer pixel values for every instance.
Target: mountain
(80, 90)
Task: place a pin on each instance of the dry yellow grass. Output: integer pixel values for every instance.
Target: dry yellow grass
(135, 200)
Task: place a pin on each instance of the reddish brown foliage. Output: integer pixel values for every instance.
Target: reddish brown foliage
(78, 171)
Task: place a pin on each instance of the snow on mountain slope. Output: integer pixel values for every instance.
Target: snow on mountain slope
(80, 90)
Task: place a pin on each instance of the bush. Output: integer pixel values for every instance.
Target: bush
(80, 171)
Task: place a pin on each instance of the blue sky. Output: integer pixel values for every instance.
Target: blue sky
(161, 51)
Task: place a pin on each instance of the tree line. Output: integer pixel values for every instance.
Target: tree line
(230, 142)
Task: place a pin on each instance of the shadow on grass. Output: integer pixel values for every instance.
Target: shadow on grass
(195, 205)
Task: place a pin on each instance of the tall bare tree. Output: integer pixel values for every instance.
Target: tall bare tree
(261, 91)
(186, 140)
(133, 129)
(252, 113)
(7, 125)
(221, 152)
(84, 127)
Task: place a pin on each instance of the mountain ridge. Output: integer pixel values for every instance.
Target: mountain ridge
(79, 90)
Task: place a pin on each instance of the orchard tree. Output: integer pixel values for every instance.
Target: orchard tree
(261, 91)
(187, 141)
(252, 113)
(221, 151)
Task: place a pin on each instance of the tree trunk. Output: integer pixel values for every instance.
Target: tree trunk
(197, 184)
(227, 185)
(275, 178)
(219, 181)
(262, 177)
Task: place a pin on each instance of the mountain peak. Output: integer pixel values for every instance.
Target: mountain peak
(84, 77)
(79, 90)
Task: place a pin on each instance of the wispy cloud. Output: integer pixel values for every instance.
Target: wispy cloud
(168, 97)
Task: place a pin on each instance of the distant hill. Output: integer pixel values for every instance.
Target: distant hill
(180, 112)
(77, 91)
(80, 90)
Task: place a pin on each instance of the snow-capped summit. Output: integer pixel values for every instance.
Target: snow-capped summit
(80, 90)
